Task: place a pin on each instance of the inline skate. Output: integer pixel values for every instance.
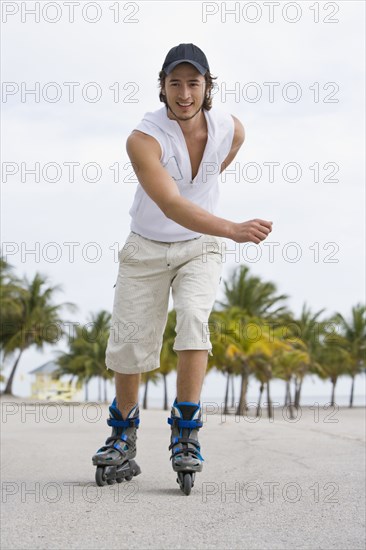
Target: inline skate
(114, 461)
(185, 421)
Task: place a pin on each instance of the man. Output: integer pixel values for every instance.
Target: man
(175, 242)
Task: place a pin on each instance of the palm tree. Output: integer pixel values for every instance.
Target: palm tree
(146, 378)
(289, 365)
(354, 333)
(35, 320)
(256, 300)
(73, 363)
(9, 296)
(310, 331)
(9, 303)
(334, 361)
(253, 356)
(262, 360)
(255, 297)
(97, 336)
(221, 323)
(248, 349)
(228, 355)
(233, 365)
(262, 368)
(86, 358)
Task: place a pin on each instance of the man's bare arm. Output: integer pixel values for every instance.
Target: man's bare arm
(144, 152)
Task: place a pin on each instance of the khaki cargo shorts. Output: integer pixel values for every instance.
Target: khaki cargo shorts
(147, 271)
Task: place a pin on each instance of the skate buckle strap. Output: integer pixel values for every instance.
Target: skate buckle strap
(180, 423)
(117, 445)
(129, 423)
(119, 448)
(185, 450)
(179, 440)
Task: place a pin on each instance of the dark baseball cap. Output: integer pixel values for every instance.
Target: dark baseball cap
(186, 53)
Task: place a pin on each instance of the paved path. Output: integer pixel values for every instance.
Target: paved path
(265, 485)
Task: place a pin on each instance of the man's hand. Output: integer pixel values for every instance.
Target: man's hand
(253, 231)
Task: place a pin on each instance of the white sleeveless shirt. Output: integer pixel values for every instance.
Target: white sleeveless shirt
(147, 218)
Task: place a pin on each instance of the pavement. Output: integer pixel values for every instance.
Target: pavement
(265, 484)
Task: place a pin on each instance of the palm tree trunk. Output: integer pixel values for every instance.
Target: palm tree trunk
(334, 381)
(86, 390)
(242, 406)
(226, 407)
(232, 391)
(105, 391)
(288, 400)
(165, 393)
(261, 388)
(352, 389)
(287, 394)
(269, 402)
(99, 389)
(9, 383)
(144, 403)
(297, 394)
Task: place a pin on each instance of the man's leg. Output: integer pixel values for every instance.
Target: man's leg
(191, 369)
(120, 447)
(127, 391)
(194, 291)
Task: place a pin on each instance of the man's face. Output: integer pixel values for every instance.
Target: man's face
(185, 91)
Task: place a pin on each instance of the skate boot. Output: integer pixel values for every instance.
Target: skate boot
(114, 461)
(185, 421)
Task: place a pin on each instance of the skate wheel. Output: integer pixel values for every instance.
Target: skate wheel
(111, 481)
(100, 477)
(187, 484)
(136, 469)
(128, 478)
(119, 479)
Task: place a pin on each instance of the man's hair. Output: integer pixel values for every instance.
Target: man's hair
(209, 78)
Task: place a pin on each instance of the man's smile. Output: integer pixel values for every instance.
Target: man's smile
(184, 105)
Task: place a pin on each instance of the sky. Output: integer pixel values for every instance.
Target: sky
(291, 72)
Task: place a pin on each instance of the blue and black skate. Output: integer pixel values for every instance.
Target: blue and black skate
(114, 461)
(185, 421)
